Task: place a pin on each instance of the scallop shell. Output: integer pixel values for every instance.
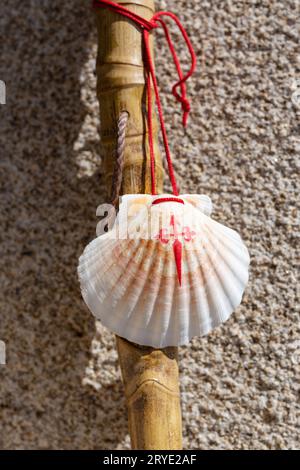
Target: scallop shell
(166, 272)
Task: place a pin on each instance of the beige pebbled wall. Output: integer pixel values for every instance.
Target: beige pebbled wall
(61, 386)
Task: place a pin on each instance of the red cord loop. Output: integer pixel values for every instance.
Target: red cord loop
(167, 199)
(147, 26)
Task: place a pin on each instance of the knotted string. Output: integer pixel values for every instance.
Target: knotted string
(146, 27)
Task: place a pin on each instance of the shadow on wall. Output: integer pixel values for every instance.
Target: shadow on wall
(49, 215)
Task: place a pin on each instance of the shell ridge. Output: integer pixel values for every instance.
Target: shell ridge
(130, 273)
(137, 286)
(155, 322)
(142, 303)
(110, 320)
(227, 298)
(200, 202)
(226, 243)
(94, 290)
(194, 318)
(231, 295)
(94, 260)
(205, 296)
(232, 254)
(117, 290)
(97, 273)
(99, 246)
(168, 337)
(169, 290)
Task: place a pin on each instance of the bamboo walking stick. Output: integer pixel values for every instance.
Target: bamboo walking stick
(150, 375)
(187, 275)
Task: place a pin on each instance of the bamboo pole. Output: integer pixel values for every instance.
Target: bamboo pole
(150, 375)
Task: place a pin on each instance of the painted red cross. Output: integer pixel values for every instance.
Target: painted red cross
(164, 236)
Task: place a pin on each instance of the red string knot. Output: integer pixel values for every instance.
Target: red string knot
(186, 108)
(151, 25)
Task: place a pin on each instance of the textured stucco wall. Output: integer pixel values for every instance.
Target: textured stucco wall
(61, 386)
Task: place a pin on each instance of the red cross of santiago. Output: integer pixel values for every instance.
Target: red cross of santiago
(165, 235)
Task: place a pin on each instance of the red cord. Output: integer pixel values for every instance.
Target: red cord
(167, 199)
(146, 26)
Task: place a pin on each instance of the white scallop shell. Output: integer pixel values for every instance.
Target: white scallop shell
(129, 278)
